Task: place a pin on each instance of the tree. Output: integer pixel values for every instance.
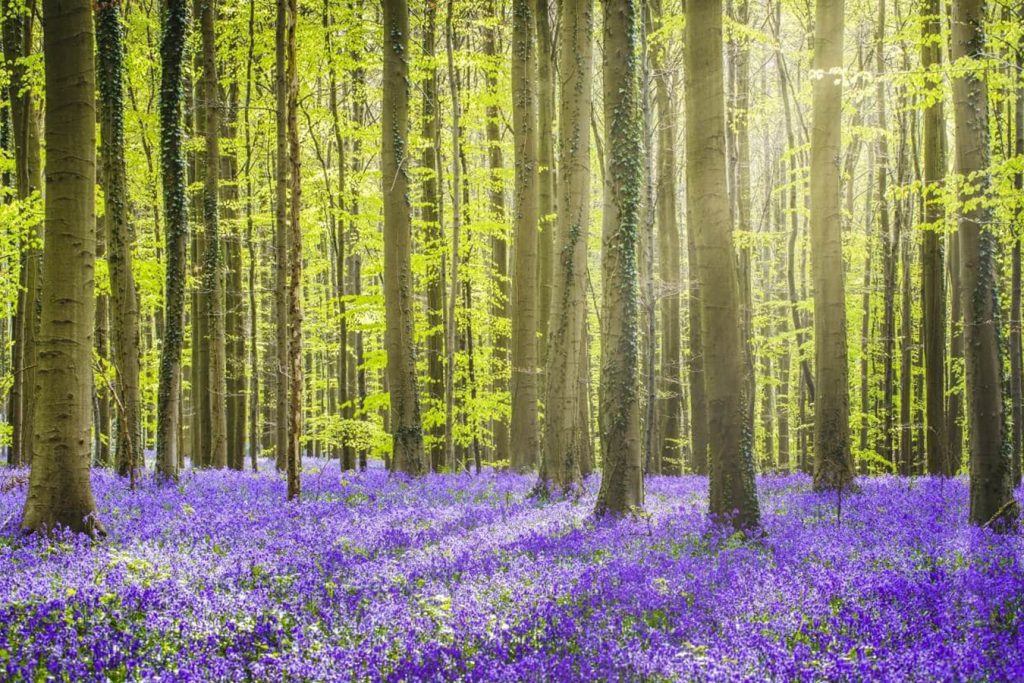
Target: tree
(622, 483)
(671, 389)
(408, 455)
(294, 297)
(833, 467)
(563, 444)
(991, 487)
(525, 434)
(18, 22)
(60, 492)
(172, 46)
(731, 463)
(213, 275)
(110, 64)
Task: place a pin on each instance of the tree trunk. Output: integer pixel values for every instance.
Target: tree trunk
(670, 391)
(991, 486)
(1017, 365)
(622, 481)
(408, 455)
(172, 47)
(833, 463)
(281, 234)
(563, 445)
(499, 243)
(254, 405)
(732, 488)
(546, 192)
(525, 428)
(110, 62)
(18, 23)
(60, 492)
(295, 373)
(433, 239)
(213, 276)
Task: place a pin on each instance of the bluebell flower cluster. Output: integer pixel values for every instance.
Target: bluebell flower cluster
(375, 577)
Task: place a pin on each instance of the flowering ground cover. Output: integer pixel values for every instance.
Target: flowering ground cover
(465, 577)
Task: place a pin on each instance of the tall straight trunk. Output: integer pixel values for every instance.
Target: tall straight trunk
(525, 426)
(833, 463)
(281, 234)
(499, 242)
(110, 63)
(650, 448)
(101, 339)
(454, 253)
(234, 306)
(408, 454)
(669, 270)
(739, 126)
(903, 218)
(18, 22)
(732, 488)
(172, 46)
(889, 255)
(430, 129)
(991, 486)
(294, 297)
(254, 394)
(213, 276)
(1017, 365)
(695, 367)
(933, 290)
(782, 398)
(546, 192)
(865, 321)
(622, 481)
(563, 445)
(60, 492)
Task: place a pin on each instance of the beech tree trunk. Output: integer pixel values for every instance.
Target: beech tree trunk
(731, 464)
(833, 467)
(622, 482)
(172, 46)
(525, 427)
(408, 455)
(989, 446)
(564, 445)
(60, 492)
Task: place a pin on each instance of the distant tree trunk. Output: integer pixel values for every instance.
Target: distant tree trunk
(295, 373)
(18, 22)
(833, 463)
(933, 291)
(546, 193)
(234, 307)
(622, 482)
(101, 339)
(172, 47)
(1017, 364)
(671, 391)
(563, 445)
(499, 242)
(126, 353)
(254, 405)
(865, 323)
(433, 237)
(991, 485)
(408, 455)
(698, 395)
(525, 427)
(731, 461)
(59, 490)
(281, 234)
(455, 256)
(213, 276)
(902, 238)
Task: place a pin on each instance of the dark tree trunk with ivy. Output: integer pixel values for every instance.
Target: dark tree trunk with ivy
(172, 46)
(991, 495)
(622, 483)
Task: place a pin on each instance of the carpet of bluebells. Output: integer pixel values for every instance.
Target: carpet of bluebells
(464, 577)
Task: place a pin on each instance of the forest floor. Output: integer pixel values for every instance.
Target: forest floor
(464, 577)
